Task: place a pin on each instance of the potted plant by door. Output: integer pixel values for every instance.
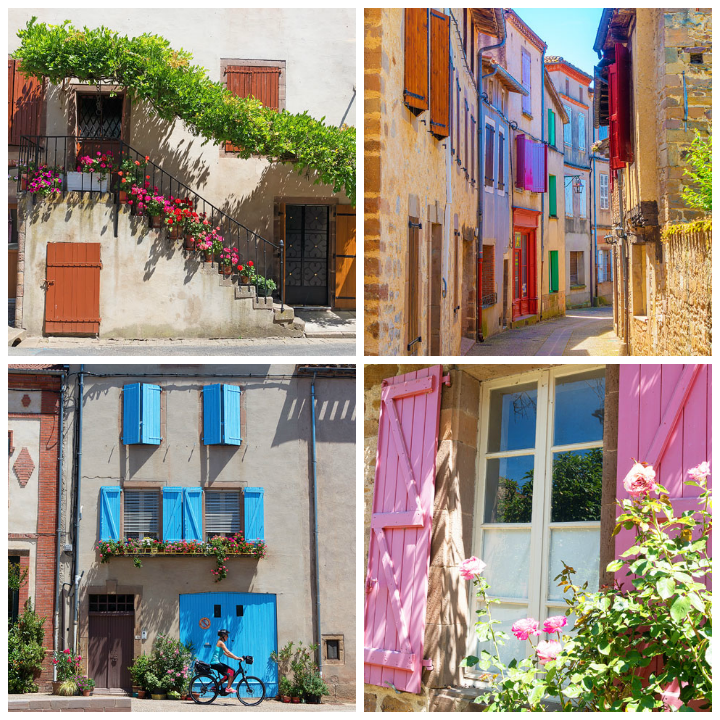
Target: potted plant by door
(247, 272)
(85, 685)
(313, 688)
(154, 686)
(285, 689)
(138, 670)
(66, 666)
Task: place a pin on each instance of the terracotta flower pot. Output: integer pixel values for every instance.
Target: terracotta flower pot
(208, 256)
(196, 696)
(172, 232)
(295, 699)
(285, 698)
(156, 221)
(189, 242)
(56, 686)
(23, 181)
(141, 694)
(122, 197)
(86, 693)
(245, 279)
(227, 270)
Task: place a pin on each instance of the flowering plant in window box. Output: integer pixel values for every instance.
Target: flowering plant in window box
(661, 616)
(45, 181)
(101, 164)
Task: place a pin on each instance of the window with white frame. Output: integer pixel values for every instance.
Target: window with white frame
(581, 131)
(568, 196)
(604, 192)
(222, 514)
(583, 197)
(567, 127)
(141, 514)
(539, 492)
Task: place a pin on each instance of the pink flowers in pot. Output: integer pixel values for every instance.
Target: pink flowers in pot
(640, 480)
(229, 256)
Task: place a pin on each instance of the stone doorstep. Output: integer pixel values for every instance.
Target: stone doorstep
(57, 703)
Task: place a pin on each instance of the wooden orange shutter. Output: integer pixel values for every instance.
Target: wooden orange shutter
(415, 94)
(440, 74)
(24, 104)
(262, 83)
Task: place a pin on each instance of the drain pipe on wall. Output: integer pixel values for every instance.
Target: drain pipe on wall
(625, 263)
(481, 173)
(76, 531)
(58, 548)
(315, 518)
(542, 195)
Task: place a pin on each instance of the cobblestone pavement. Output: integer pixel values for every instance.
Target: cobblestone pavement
(283, 347)
(230, 705)
(585, 332)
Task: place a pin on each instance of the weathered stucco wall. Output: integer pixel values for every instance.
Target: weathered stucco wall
(319, 51)
(148, 286)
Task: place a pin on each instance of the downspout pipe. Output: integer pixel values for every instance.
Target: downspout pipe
(58, 548)
(625, 265)
(315, 519)
(481, 176)
(542, 195)
(76, 528)
(593, 256)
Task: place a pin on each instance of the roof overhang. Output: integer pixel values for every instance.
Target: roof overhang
(489, 21)
(503, 76)
(615, 26)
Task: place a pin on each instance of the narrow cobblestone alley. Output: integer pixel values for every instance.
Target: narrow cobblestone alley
(584, 332)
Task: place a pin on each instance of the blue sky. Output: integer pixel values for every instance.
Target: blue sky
(567, 32)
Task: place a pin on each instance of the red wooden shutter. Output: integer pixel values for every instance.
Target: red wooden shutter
(399, 554)
(619, 109)
(440, 74)
(24, 104)
(415, 93)
(262, 83)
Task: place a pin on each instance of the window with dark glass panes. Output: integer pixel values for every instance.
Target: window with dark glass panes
(540, 487)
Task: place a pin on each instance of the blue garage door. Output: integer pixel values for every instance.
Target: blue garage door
(251, 619)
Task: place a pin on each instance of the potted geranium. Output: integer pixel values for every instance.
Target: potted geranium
(228, 259)
(85, 685)
(66, 666)
(155, 208)
(204, 246)
(131, 172)
(247, 272)
(97, 166)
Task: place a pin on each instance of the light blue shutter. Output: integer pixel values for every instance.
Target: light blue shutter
(151, 414)
(254, 514)
(109, 513)
(212, 414)
(131, 414)
(192, 514)
(231, 414)
(172, 513)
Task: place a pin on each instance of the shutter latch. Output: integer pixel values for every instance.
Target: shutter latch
(370, 584)
(427, 663)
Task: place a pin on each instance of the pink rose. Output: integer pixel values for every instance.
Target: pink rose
(548, 650)
(701, 471)
(471, 567)
(554, 624)
(524, 628)
(640, 480)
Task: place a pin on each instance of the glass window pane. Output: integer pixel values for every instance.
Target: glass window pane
(578, 548)
(508, 489)
(513, 648)
(577, 485)
(503, 550)
(579, 408)
(513, 412)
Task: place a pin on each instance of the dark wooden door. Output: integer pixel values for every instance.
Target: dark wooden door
(110, 649)
(307, 243)
(345, 258)
(72, 298)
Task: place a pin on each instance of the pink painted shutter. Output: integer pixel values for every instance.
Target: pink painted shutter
(520, 155)
(665, 419)
(399, 554)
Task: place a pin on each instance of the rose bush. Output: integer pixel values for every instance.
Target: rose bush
(632, 642)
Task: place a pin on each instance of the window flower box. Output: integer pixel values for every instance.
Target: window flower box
(77, 181)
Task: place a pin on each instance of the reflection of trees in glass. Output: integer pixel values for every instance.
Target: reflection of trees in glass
(524, 404)
(577, 486)
(514, 502)
(597, 385)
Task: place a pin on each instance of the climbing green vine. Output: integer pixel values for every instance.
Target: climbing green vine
(152, 71)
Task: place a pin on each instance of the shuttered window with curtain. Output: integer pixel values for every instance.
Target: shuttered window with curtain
(141, 514)
(222, 514)
(440, 74)
(415, 93)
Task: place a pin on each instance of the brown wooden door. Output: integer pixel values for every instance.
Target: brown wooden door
(345, 258)
(72, 298)
(524, 281)
(110, 649)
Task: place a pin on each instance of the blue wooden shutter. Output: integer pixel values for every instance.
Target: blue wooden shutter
(110, 513)
(212, 414)
(151, 414)
(192, 514)
(231, 414)
(131, 414)
(172, 513)
(254, 514)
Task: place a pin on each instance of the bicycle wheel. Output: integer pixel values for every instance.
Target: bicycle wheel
(203, 689)
(251, 690)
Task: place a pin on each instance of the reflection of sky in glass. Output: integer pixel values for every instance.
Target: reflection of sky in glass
(512, 418)
(520, 470)
(579, 403)
(576, 486)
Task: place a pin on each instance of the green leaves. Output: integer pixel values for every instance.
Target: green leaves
(665, 587)
(680, 608)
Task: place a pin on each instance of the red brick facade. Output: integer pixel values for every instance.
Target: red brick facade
(45, 537)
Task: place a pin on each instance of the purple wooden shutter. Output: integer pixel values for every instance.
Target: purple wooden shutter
(399, 553)
(520, 143)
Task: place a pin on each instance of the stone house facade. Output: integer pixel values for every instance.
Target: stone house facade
(258, 204)
(193, 452)
(35, 394)
(483, 437)
(660, 60)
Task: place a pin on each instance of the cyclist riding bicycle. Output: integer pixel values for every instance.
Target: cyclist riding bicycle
(226, 671)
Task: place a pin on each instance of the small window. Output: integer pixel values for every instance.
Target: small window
(489, 155)
(568, 196)
(552, 191)
(581, 131)
(551, 127)
(696, 58)
(217, 611)
(554, 274)
(141, 509)
(583, 198)
(239, 611)
(604, 194)
(222, 514)
(577, 268)
(567, 127)
(333, 649)
(111, 603)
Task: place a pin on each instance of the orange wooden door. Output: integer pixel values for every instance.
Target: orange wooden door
(345, 258)
(72, 298)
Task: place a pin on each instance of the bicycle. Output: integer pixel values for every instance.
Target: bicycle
(206, 684)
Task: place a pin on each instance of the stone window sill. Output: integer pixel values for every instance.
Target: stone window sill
(577, 287)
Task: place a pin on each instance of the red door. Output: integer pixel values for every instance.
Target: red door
(524, 280)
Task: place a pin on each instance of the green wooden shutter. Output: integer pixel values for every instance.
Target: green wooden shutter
(553, 195)
(554, 274)
(551, 127)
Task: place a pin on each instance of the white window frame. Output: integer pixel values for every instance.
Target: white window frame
(567, 183)
(544, 451)
(567, 127)
(604, 191)
(583, 197)
(501, 191)
(582, 144)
